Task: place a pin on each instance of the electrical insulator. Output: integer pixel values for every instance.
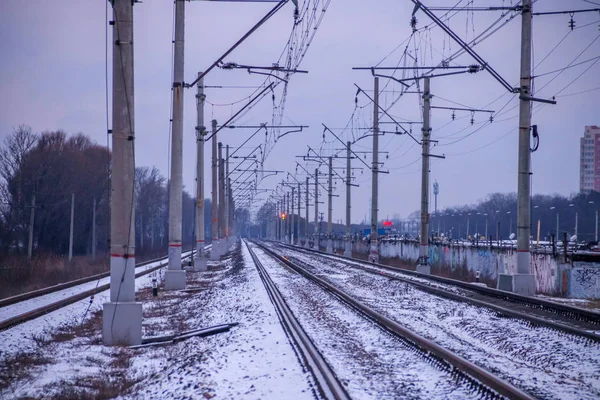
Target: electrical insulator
(453, 115)
(571, 22)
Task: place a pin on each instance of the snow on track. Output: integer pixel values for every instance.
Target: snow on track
(544, 362)
(372, 363)
(23, 337)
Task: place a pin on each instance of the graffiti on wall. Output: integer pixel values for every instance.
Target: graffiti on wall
(587, 277)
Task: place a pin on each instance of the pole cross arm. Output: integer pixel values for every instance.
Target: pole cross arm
(433, 155)
(461, 43)
(386, 113)
(528, 98)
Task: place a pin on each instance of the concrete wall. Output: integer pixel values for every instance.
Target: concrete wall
(580, 280)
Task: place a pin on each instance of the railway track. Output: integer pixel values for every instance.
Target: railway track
(328, 383)
(481, 380)
(573, 320)
(52, 303)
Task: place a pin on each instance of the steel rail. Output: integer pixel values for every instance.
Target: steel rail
(465, 299)
(66, 285)
(576, 313)
(327, 381)
(43, 310)
(470, 370)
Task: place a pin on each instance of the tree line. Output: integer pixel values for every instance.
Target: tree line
(55, 168)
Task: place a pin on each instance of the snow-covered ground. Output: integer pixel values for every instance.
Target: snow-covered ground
(541, 361)
(44, 300)
(371, 362)
(253, 360)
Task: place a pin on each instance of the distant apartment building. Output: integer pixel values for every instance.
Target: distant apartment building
(589, 166)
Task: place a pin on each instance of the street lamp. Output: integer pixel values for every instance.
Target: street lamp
(486, 226)
(557, 223)
(510, 223)
(576, 219)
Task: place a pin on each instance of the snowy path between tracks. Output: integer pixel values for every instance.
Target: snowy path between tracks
(544, 362)
(253, 360)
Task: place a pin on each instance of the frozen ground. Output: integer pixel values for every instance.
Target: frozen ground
(545, 363)
(253, 360)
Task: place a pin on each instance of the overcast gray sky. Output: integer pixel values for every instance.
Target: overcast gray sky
(52, 77)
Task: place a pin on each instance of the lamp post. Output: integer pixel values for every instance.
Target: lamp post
(576, 220)
(486, 226)
(557, 224)
(509, 223)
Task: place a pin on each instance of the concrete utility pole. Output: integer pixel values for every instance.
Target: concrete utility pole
(222, 222)
(524, 281)
(94, 230)
(32, 220)
(348, 247)
(71, 230)
(122, 316)
(423, 264)
(316, 241)
(215, 252)
(281, 220)
(227, 199)
(330, 208)
(292, 216)
(374, 251)
(175, 276)
(288, 231)
(299, 205)
(306, 241)
(231, 211)
(200, 263)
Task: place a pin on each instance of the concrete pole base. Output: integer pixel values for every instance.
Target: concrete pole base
(348, 250)
(424, 269)
(200, 264)
(523, 284)
(122, 324)
(215, 251)
(174, 280)
(329, 246)
(306, 244)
